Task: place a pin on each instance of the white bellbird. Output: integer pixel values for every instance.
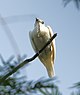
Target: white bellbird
(39, 37)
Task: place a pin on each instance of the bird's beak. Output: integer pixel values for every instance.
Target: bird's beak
(37, 19)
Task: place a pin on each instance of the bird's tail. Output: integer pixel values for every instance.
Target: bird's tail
(51, 71)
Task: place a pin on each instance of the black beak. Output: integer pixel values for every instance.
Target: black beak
(37, 19)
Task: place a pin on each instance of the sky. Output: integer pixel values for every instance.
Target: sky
(20, 17)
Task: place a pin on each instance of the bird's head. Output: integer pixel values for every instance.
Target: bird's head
(38, 21)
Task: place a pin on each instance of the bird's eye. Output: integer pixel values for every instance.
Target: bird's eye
(42, 22)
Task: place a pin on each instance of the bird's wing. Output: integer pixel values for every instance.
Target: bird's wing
(32, 41)
(51, 72)
(53, 47)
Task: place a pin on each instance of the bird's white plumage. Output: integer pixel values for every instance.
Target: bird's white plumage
(39, 37)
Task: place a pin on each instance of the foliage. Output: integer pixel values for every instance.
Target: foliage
(18, 84)
(76, 2)
(76, 87)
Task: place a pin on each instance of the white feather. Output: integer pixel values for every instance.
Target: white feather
(39, 37)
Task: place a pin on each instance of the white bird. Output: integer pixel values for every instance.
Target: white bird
(39, 37)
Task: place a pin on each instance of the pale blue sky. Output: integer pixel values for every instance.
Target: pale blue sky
(64, 21)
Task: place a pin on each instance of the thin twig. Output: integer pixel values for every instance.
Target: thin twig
(27, 60)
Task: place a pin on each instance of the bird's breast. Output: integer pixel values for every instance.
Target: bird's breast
(40, 39)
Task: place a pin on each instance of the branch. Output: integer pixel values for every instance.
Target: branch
(10, 37)
(3, 79)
